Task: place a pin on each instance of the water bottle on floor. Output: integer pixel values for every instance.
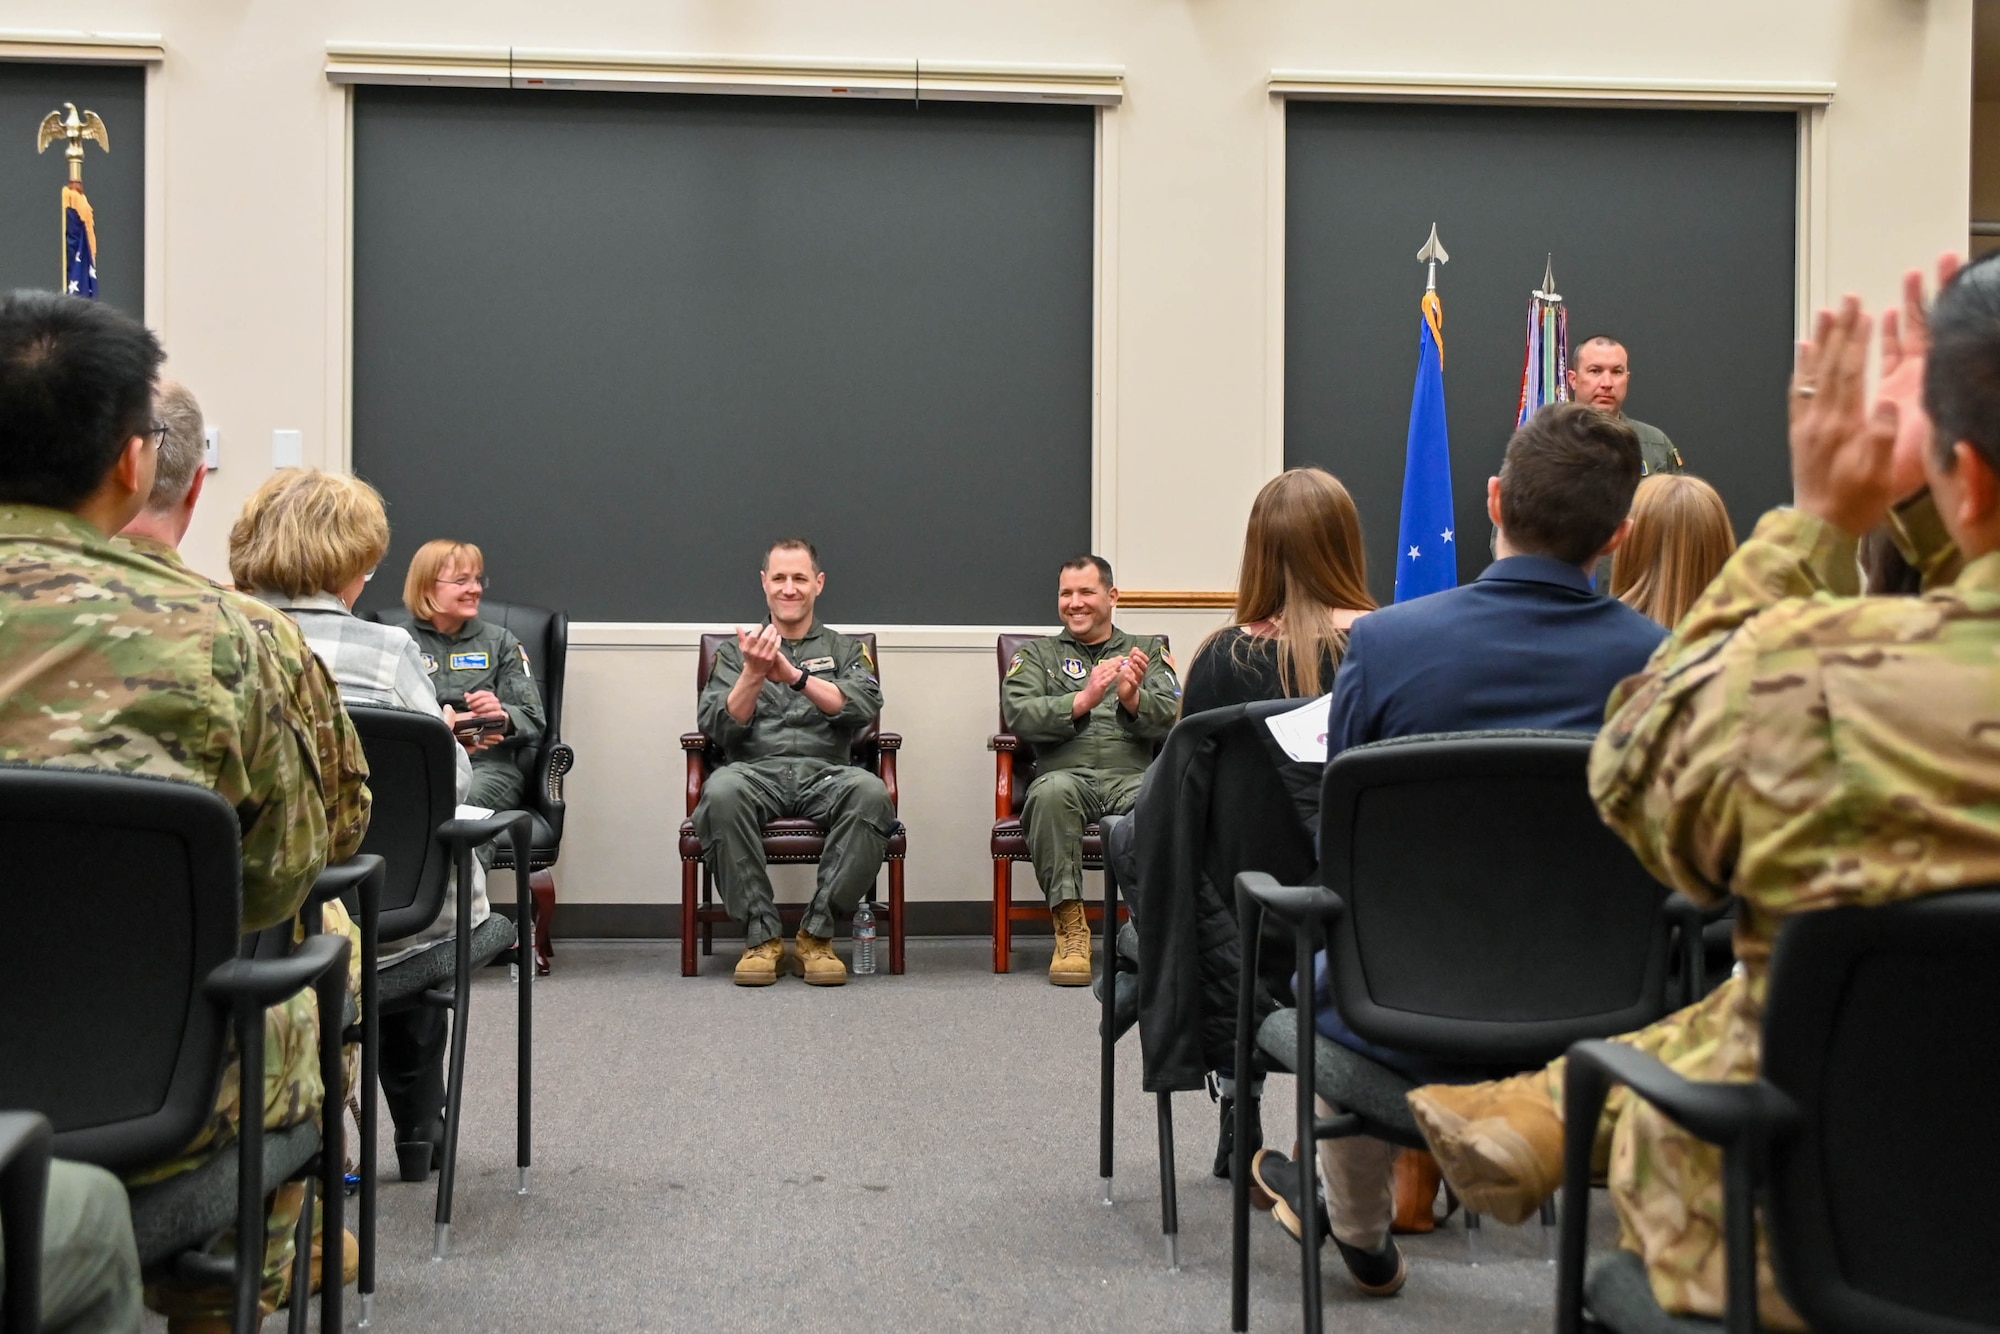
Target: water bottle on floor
(863, 935)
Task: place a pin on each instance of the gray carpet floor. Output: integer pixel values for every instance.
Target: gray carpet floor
(903, 1153)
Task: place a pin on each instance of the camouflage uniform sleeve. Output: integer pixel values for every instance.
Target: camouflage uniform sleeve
(518, 693)
(712, 714)
(267, 773)
(1159, 698)
(1667, 771)
(1919, 534)
(1034, 710)
(859, 687)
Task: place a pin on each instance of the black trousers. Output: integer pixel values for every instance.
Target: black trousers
(412, 1069)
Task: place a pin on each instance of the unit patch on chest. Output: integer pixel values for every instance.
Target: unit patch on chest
(1073, 668)
(430, 664)
(471, 662)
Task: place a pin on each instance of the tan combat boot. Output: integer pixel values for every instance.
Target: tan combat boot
(1499, 1145)
(759, 965)
(822, 966)
(1071, 966)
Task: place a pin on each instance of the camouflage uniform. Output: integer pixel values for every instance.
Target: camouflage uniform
(1088, 767)
(794, 761)
(484, 655)
(1800, 748)
(111, 662)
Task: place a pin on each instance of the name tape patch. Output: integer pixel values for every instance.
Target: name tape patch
(471, 662)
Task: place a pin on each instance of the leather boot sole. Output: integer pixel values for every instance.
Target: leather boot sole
(828, 979)
(1491, 1165)
(1069, 979)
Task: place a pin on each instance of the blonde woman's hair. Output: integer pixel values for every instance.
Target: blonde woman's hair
(433, 558)
(305, 531)
(1302, 562)
(1680, 538)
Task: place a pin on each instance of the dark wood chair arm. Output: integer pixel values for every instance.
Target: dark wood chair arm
(889, 740)
(696, 746)
(885, 768)
(1003, 777)
(1003, 742)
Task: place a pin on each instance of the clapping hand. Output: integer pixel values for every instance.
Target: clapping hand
(764, 654)
(1132, 675)
(1102, 677)
(1842, 453)
(1906, 342)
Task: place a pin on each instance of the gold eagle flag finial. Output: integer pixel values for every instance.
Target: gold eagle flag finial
(75, 128)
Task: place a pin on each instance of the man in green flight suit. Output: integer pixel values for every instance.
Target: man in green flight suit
(1095, 703)
(1600, 375)
(784, 703)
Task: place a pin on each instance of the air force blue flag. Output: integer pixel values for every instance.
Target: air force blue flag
(79, 244)
(1427, 544)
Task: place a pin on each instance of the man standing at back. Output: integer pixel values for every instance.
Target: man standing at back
(1528, 644)
(1600, 375)
(784, 703)
(1095, 705)
(110, 661)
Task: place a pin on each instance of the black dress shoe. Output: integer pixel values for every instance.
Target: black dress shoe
(1380, 1272)
(1278, 1177)
(415, 1158)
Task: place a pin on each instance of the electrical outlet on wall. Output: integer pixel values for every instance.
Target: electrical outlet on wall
(288, 449)
(211, 454)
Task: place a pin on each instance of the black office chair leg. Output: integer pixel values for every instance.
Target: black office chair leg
(524, 1065)
(1170, 1209)
(252, 1216)
(1550, 1234)
(454, 1095)
(370, 1095)
(1249, 924)
(1107, 1064)
(302, 1235)
(1473, 1249)
(1308, 1115)
(332, 988)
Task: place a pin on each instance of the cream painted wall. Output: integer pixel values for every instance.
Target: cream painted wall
(251, 242)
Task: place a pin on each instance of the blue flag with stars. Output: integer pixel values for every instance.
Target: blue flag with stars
(1427, 545)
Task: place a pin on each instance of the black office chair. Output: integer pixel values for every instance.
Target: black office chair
(1871, 1122)
(545, 634)
(1475, 910)
(413, 828)
(1220, 759)
(131, 889)
(24, 1185)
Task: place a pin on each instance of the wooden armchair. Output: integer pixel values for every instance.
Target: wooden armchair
(1013, 770)
(793, 841)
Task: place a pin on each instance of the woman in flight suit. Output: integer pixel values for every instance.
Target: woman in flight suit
(477, 661)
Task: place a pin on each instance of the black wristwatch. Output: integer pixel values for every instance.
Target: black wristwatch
(800, 684)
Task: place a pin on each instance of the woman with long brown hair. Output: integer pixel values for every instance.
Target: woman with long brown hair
(1680, 537)
(1303, 584)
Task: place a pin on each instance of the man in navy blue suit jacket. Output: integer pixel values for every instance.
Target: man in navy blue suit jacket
(1527, 644)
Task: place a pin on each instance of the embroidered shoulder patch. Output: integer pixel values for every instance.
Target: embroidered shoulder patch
(526, 670)
(1015, 665)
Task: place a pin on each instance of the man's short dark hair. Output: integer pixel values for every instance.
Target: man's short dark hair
(1962, 372)
(790, 544)
(76, 383)
(1079, 562)
(1567, 482)
(1576, 353)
